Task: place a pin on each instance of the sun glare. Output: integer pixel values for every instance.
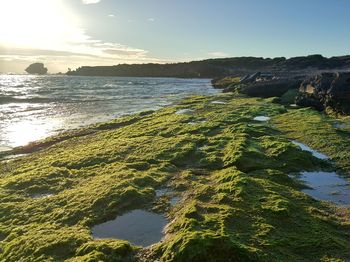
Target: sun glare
(23, 132)
(44, 24)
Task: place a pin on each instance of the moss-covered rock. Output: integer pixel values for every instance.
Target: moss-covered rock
(237, 201)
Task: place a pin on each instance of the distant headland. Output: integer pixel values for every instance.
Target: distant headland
(213, 68)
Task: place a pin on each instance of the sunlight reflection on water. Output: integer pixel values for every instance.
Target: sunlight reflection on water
(35, 107)
(21, 133)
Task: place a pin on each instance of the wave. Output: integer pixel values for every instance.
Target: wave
(9, 100)
(42, 100)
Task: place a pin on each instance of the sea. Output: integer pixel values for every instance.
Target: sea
(35, 107)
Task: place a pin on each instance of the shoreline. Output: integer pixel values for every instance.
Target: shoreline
(63, 103)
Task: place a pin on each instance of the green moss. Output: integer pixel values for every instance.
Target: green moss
(226, 82)
(318, 131)
(238, 202)
(289, 97)
(205, 246)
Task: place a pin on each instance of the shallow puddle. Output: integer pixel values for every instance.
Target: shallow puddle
(166, 192)
(218, 102)
(174, 200)
(139, 227)
(261, 118)
(309, 149)
(184, 111)
(197, 122)
(340, 125)
(43, 195)
(328, 186)
(162, 192)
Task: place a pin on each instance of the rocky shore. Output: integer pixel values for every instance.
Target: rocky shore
(327, 91)
(228, 160)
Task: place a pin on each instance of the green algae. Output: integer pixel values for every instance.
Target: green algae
(317, 130)
(238, 202)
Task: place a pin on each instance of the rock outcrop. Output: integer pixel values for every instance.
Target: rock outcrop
(327, 90)
(269, 88)
(226, 82)
(36, 68)
(258, 84)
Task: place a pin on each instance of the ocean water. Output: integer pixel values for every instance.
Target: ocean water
(35, 107)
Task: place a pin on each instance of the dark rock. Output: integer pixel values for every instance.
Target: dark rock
(259, 84)
(326, 90)
(36, 68)
(250, 78)
(272, 88)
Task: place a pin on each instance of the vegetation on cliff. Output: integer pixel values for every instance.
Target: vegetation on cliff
(221, 67)
(238, 202)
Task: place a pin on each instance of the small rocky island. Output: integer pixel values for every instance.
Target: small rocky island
(36, 69)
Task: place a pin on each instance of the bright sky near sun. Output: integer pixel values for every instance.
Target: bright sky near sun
(72, 33)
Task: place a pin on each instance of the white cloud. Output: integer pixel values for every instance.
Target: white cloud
(111, 16)
(60, 40)
(218, 54)
(151, 19)
(89, 2)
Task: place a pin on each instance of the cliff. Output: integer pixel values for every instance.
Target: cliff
(212, 68)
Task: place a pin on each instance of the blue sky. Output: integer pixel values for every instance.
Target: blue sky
(138, 31)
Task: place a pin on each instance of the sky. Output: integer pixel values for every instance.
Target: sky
(71, 33)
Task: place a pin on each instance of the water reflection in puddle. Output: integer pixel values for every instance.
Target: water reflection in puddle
(328, 186)
(139, 227)
(312, 151)
(261, 118)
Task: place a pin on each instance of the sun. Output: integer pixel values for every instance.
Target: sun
(41, 24)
